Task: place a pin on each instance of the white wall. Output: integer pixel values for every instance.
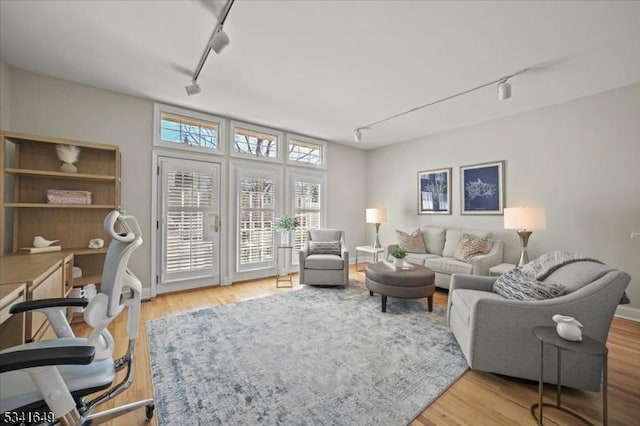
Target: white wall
(52, 107)
(579, 160)
(5, 96)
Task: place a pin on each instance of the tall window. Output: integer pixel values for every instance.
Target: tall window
(256, 211)
(258, 143)
(305, 151)
(308, 207)
(180, 128)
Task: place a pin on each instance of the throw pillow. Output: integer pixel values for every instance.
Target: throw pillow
(411, 243)
(470, 246)
(517, 285)
(324, 247)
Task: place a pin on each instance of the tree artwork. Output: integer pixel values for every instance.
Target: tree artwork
(479, 188)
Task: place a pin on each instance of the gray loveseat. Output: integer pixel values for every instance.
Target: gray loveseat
(495, 333)
(441, 244)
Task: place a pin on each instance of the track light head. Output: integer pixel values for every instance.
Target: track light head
(357, 135)
(193, 89)
(504, 90)
(219, 41)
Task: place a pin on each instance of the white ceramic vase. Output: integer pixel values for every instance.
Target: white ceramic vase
(568, 328)
(68, 168)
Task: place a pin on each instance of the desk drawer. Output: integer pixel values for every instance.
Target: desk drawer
(49, 288)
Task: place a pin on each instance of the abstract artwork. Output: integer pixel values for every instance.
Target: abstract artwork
(434, 196)
(482, 188)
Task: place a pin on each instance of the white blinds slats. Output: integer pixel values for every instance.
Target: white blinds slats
(256, 215)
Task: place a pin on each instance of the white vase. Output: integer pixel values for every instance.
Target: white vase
(284, 238)
(399, 262)
(68, 168)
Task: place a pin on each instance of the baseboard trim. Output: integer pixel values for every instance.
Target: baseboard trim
(629, 313)
(146, 293)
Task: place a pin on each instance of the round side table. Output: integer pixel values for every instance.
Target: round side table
(587, 346)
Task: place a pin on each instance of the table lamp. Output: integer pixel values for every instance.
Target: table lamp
(377, 216)
(524, 220)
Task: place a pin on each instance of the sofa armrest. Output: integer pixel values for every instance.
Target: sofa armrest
(471, 282)
(481, 264)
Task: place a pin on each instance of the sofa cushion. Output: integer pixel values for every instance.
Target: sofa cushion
(323, 261)
(418, 258)
(463, 299)
(516, 285)
(446, 265)
(412, 243)
(433, 239)
(324, 247)
(576, 275)
(453, 238)
(470, 246)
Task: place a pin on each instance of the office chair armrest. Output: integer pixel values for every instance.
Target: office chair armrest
(40, 357)
(61, 302)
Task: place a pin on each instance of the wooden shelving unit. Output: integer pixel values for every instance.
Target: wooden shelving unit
(30, 167)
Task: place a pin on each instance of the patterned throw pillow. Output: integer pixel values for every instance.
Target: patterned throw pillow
(324, 247)
(516, 285)
(470, 246)
(412, 243)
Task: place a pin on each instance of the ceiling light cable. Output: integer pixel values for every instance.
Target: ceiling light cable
(504, 92)
(218, 41)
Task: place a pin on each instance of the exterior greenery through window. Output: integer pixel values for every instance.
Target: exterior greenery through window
(255, 143)
(188, 131)
(256, 215)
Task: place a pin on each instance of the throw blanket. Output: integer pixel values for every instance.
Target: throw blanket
(526, 283)
(546, 264)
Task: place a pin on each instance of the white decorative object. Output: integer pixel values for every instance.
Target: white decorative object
(39, 241)
(96, 243)
(68, 154)
(568, 328)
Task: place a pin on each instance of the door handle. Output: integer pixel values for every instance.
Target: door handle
(216, 223)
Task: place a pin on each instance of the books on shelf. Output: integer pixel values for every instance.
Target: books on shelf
(34, 250)
(404, 267)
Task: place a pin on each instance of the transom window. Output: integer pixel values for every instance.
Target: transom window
(181, 128)
(305, 151)
(255, 142)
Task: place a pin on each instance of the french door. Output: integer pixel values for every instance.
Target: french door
(188, 224)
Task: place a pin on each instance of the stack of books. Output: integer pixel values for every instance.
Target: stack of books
(404, 267)
(34, 250)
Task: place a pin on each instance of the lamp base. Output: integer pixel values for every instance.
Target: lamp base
(376, 243)
(524, 240)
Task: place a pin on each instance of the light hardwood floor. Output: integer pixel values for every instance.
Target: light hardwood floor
(477, 398)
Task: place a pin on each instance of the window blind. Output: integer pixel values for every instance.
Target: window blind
(256, 215)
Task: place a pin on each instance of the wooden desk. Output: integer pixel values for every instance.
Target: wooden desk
(12, 327)
(45, 275)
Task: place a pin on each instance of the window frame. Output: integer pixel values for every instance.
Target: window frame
(255, 128)
(159, 108)
(301, 138)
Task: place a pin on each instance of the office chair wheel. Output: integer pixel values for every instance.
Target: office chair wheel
(148, 410)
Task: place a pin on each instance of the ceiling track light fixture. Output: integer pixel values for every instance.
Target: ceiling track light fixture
(504, 92)
(218, 41)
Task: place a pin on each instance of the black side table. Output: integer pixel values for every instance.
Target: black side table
(587, 346)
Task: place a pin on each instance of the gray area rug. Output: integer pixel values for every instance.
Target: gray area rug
(314, 356)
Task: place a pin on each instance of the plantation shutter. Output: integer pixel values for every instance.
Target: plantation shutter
(256, 212)
(307, 207)
(189, 200)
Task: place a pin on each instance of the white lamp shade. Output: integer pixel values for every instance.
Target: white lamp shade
(376, 215)
(524, 218)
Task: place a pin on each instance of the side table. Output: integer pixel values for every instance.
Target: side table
(587, 346)
(500, 269)
(371, 250)
(285, 276)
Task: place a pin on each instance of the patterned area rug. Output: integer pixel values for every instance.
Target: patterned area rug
(314, 356)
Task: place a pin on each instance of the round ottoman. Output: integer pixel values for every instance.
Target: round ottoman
(404, 284)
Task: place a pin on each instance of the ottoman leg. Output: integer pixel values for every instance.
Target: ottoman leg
(430, 303)
(370, 293)
(384, 303)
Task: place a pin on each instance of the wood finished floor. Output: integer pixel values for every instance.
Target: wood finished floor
(477, 398)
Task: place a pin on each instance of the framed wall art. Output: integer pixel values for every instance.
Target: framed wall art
(482, 188)
(434, 196)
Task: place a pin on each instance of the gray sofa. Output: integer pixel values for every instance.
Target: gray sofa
(441, 244)
(495, 333)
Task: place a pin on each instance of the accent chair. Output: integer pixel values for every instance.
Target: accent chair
(324, 260)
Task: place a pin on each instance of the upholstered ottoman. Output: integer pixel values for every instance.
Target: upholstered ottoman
(403, 284)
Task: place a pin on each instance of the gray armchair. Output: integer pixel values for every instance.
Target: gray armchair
(324, 260)
(495, 333)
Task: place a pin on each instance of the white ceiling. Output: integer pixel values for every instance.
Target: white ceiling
(323, 68)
